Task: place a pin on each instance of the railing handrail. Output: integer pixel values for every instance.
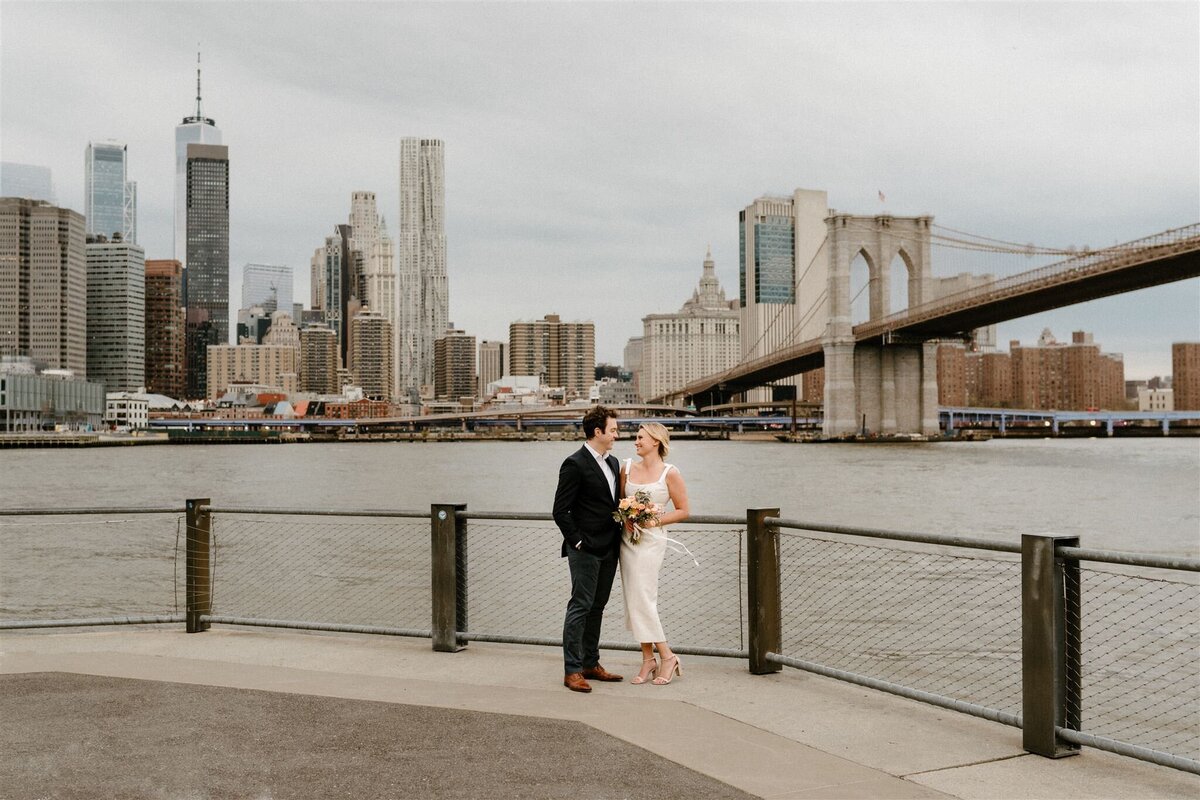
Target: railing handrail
(83, 511)
(545, 516)
(1132, 559)
(321, 512)
(900, 536)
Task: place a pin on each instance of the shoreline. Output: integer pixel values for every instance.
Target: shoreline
(75, 440)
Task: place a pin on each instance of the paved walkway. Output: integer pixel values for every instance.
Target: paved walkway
(286, 714)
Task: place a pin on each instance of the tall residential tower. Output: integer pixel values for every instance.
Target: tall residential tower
(422, 292)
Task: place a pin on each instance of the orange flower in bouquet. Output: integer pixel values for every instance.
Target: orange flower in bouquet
(639, 511)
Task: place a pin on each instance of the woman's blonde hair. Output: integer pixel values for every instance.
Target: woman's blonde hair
(658, 432)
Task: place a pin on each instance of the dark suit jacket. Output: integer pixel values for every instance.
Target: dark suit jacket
(583, 506)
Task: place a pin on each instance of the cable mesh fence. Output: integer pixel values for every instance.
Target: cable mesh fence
(119, 565)
(1139, 667)
(944, 624)
(518, 585)
(333, 570)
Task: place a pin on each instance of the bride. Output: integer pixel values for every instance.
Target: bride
(640, 562)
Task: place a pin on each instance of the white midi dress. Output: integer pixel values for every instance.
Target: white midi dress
(640, 564)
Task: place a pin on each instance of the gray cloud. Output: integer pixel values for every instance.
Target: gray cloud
(595, 150)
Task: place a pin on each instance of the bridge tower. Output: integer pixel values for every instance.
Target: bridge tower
(886, 387)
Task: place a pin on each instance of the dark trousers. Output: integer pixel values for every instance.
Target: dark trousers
(591, 583)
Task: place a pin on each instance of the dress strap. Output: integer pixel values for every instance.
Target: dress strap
(666, 469)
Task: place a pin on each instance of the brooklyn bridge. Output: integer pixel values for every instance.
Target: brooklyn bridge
(881, 373)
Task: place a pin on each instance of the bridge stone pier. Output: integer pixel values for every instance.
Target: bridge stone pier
(885, 387)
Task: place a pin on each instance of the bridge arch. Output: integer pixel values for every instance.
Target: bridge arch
(878, 387)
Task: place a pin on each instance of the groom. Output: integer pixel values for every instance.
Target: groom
(583, 510)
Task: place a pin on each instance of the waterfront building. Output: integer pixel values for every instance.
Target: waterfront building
(267, 285)
(1057, 375)
(492, 363)
(30, 181)
(194, 130)
(110, 198)
(812, 386)
(165, 319)
(702, 338)
(561, 354)
(1155, 399)
(372, 354)
(319, 360)
(34, 400)
(988, 379)
(422, 291)
(270, 365)
(952, 374)
(206, 268)
(43, 275)
(127, 410)
(783, 273)
(116, 313)
(454, 366)
(1185, 375)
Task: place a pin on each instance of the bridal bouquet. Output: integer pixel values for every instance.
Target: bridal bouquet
(637, 510)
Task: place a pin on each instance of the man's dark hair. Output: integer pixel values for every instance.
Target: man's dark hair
(597, 418)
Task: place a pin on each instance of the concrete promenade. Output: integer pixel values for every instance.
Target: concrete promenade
(790, 735)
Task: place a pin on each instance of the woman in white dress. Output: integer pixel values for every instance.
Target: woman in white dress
(640, 562)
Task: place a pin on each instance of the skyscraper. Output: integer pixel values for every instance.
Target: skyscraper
(561, 354)
(43, 272)
(319, 361)
(421, 289)
(372, 356)
(164, 328)
(110, 198)
(196, 129)
(700, 339)
(267, 285)
(492, 362)
(116, 314)
(783, 273)
(336, 266)
(206, 275)
(454, 365)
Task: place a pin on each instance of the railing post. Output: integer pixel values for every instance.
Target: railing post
(449, 579)
(198, 565)
(1049, 644)
(762, 589)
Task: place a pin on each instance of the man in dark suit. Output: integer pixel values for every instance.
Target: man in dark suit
(588, 482)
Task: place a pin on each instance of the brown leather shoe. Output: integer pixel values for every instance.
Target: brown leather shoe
(576, 683)
(599, 673)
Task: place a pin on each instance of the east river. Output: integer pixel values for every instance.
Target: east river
(1128, 494)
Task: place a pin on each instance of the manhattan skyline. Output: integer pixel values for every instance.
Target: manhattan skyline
(594, 151)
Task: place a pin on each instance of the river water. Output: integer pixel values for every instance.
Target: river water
(1130, 494)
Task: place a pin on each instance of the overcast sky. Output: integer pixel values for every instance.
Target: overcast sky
(593, 151)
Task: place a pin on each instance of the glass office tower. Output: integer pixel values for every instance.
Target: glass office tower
(110, 199)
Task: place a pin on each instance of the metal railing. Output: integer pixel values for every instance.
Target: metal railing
(1021, 634)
